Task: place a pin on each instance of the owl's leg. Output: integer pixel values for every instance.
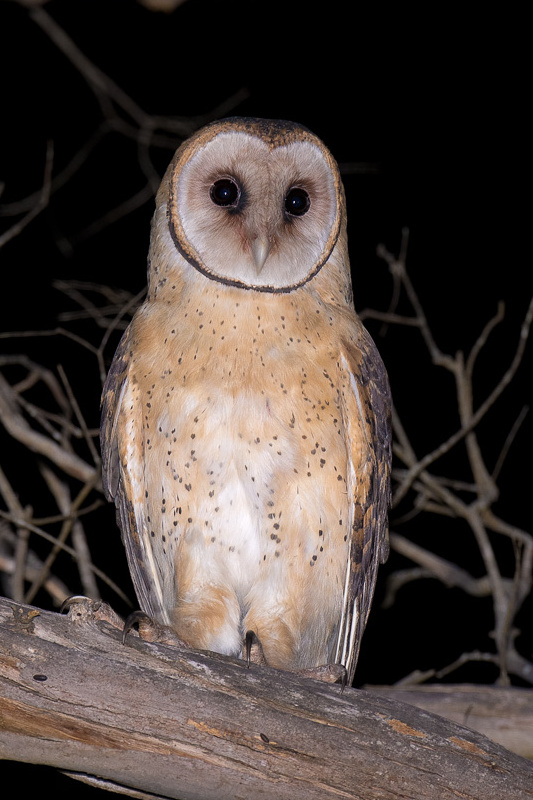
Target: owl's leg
(207, 614)
(208, 617)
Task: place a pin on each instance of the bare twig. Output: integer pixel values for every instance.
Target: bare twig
(19, 429)
(61, 178)
(508, 442)
(21, 546)
(475, 418)
(40, 203)
(436, 494)
(448, 573)
(79, 416)
(111, 96)
(61, 493)
(17, 522)
(57, 590)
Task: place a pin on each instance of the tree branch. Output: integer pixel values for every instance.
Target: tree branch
(190, 725)
(18, 428)
(503, 714)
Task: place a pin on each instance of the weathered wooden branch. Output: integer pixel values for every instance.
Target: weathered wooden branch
(193, 725)
(503, 713)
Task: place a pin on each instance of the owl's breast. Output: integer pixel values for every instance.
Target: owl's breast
(243, 437)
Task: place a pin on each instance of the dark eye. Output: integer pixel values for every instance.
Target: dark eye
(297, 202)
(225, 192)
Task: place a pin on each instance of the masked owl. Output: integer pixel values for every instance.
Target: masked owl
(245, 421)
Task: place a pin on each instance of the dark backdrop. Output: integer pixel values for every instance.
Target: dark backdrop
(425, 112)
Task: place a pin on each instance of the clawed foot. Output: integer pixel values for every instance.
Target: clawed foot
(83, 608)
(329, 673)
(151, 631)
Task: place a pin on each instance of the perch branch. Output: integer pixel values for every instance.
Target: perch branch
(186, 724)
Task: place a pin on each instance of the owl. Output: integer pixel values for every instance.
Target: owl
(246, 414)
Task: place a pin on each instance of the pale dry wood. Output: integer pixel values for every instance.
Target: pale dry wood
(503, 713)
(198, 726)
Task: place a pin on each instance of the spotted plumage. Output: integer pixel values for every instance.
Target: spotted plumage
(245, 420)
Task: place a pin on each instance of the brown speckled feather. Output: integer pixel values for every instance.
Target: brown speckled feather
(119, 473)
(366, 409)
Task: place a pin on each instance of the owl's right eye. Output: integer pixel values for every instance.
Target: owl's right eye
(225, 192)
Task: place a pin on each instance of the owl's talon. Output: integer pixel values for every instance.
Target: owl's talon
(150, 631)
(344, 680)
(248, 641)
(73, 600)
(83, 608)
(135, 619)
(329, 673)
(253, 649)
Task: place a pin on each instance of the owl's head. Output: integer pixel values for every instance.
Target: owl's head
(254, 203)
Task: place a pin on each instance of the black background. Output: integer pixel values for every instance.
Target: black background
(433, 103)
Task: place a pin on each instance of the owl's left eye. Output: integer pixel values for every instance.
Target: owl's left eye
(297, 202)
(225, 192)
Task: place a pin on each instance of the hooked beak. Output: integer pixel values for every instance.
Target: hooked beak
(260, 248)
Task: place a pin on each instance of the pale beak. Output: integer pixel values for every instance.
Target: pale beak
(260, 248)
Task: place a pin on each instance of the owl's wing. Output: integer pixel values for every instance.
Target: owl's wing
(123, 479)
(366, 409)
